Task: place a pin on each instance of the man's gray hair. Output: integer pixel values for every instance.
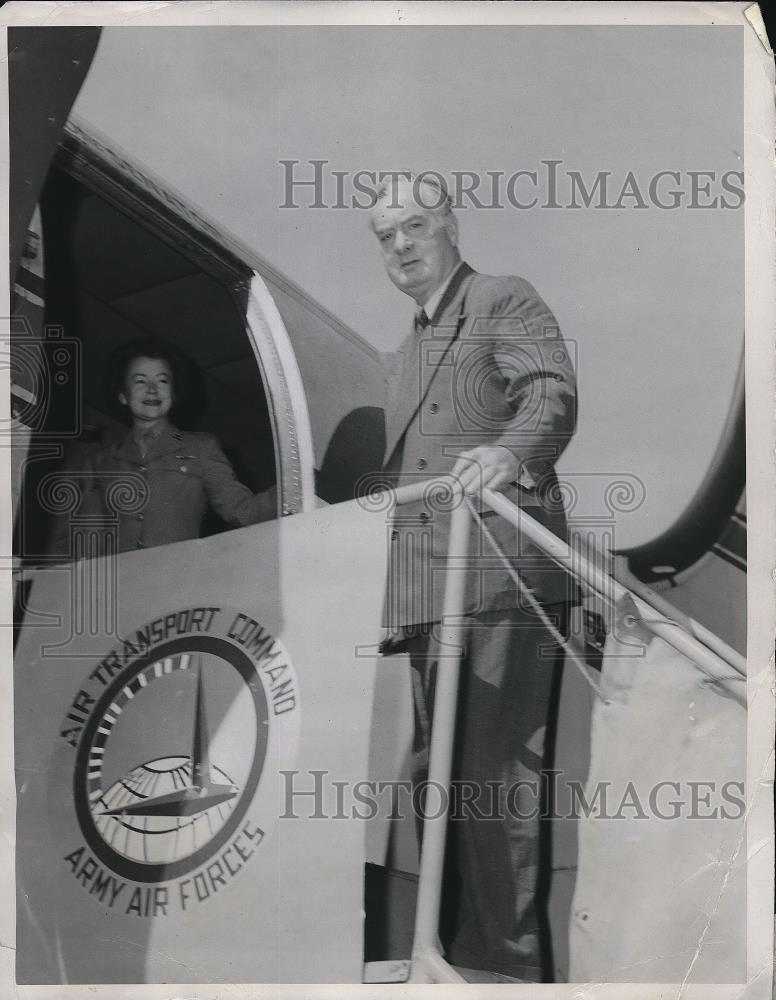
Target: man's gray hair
(439, 200)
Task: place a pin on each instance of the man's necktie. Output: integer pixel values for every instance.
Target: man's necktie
(421, 321)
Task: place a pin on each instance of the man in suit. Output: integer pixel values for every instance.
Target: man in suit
(482, 388)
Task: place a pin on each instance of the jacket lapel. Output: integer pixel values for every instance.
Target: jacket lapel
(169, 441)
(411, 375)
(126, 449)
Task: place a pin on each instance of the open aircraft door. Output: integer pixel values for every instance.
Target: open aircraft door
(181, 711)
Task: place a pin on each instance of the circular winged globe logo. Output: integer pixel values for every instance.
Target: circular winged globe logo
(171, 758)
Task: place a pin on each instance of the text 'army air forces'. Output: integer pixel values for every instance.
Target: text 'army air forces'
(170, 812)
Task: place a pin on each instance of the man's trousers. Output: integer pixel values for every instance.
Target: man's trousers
(510, 673)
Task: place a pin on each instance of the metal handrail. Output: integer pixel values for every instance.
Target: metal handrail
(428, 963)
(668, 628)
(721, 663)
(681, 631)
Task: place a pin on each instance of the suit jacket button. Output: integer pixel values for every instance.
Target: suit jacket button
(434, 408)
(422, 463)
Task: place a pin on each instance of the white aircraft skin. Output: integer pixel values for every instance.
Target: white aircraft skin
(321, 372)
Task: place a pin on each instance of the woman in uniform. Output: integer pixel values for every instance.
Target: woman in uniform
(157, 481)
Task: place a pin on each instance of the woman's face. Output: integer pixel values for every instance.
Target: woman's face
(148, 390)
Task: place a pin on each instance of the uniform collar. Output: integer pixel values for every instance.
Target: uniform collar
(168, 439)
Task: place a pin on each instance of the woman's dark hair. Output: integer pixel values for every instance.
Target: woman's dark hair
(189, 397)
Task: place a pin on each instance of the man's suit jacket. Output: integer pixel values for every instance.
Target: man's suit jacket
(490, 369)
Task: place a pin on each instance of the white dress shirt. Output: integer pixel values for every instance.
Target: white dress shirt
(431, 304)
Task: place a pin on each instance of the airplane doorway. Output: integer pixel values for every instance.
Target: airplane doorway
(122, 261)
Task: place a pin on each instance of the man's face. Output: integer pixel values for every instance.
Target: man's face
(418, 244)
(148, 389)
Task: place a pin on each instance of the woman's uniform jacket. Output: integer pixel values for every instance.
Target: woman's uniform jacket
(162, 497)
(491, 368)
